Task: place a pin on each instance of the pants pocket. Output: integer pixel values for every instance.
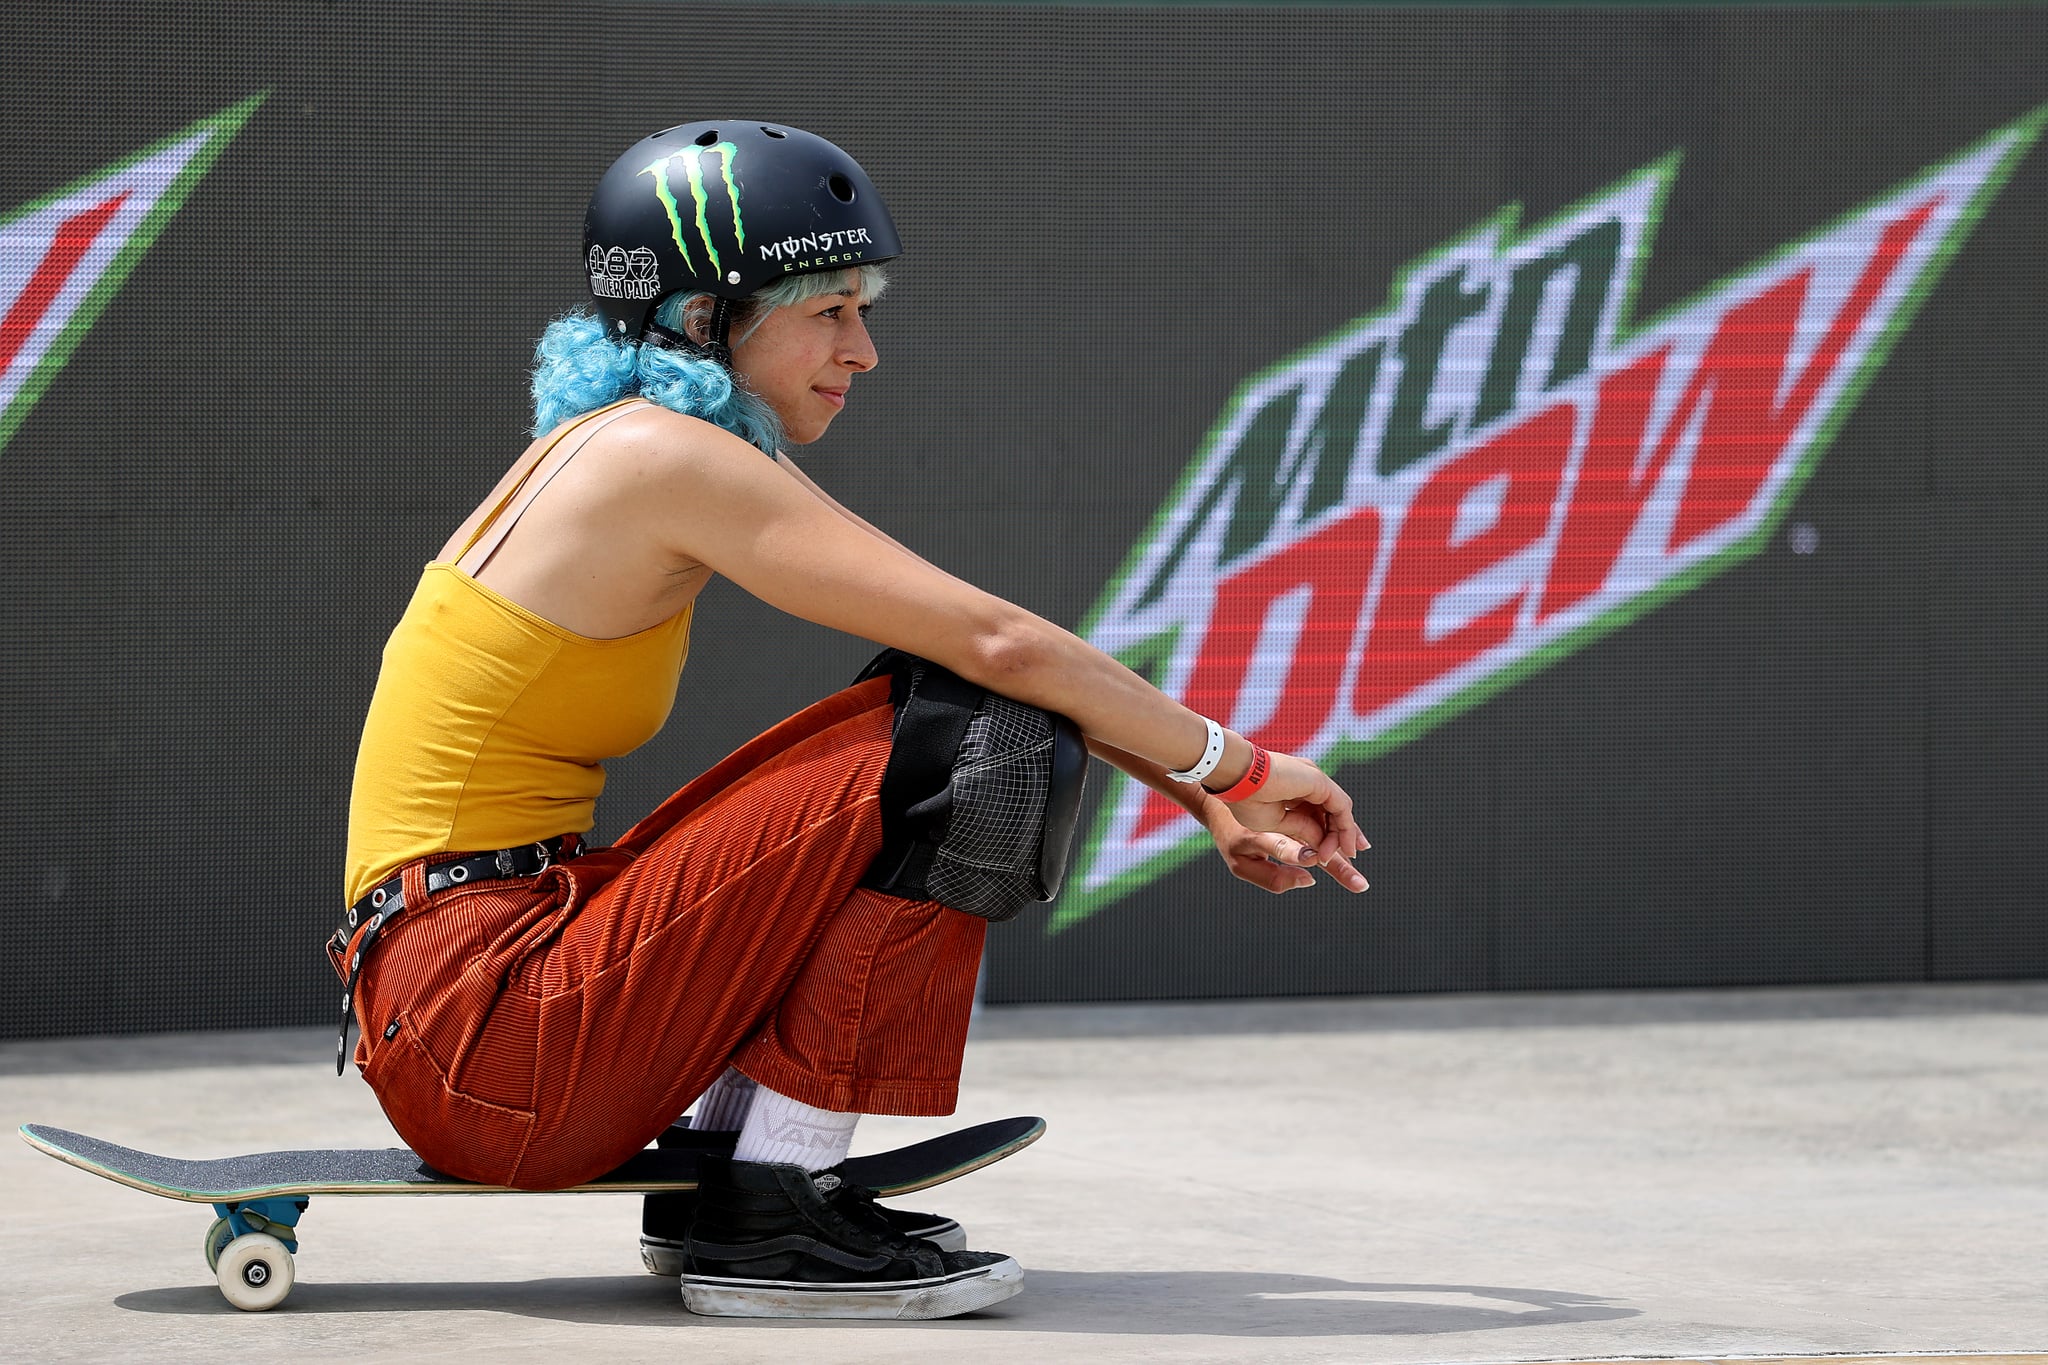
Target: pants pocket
(454, 1133)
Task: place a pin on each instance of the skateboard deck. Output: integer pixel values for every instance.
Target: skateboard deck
(260, 1197)
(395, 1170)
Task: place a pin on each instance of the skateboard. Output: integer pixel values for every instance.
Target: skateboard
(258, 1198)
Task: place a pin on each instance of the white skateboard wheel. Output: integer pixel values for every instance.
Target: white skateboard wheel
(255, 1272)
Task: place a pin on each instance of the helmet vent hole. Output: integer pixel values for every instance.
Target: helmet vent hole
(707, 137)
(841, 187)
(774, 132)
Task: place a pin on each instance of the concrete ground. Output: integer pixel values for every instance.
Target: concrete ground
(1477, 1178)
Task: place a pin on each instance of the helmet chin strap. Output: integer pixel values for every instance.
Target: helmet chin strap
(717, 350)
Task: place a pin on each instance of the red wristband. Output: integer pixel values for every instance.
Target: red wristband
(1253, 779)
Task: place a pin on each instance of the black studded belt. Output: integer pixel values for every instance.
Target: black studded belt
(374, 913)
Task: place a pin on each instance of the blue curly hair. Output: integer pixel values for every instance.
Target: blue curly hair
(577, 367)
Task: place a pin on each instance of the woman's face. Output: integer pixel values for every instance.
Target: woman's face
(802, 359)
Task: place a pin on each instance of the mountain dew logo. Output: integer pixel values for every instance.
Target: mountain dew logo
(1402, 519)
(692, 159)
(63, 257)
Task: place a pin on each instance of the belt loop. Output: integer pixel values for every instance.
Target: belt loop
(413, 883)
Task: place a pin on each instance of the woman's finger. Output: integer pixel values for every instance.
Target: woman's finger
(1348, 877)
(1298, 853)
(1273, 876)
(1281, 847)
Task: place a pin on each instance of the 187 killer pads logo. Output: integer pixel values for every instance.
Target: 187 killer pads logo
(63, 256)
(1393, 524)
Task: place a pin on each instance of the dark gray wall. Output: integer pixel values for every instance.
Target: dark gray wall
(1814, 767)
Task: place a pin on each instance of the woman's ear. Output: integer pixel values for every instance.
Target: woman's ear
(697, 319)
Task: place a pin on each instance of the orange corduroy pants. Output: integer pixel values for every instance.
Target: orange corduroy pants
(536, 1032)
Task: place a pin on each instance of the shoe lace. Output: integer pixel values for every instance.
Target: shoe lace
(856, 1204)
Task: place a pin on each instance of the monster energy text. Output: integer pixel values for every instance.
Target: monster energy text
(810, 244)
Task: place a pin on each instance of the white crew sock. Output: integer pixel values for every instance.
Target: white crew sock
(780, 1130)
(724, 1106)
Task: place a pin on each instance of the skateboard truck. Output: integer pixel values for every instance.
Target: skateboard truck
(277, 1217)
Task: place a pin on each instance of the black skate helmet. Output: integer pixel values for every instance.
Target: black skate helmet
(724, 207)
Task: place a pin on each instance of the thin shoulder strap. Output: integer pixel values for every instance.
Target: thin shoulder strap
(491, 531)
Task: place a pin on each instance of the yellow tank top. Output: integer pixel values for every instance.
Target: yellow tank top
(490, 725)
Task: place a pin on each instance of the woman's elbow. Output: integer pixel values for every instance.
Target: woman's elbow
(1010, 650)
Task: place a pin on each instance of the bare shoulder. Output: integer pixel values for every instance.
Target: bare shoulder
(666, 444)
(692, 489)
(652, 467)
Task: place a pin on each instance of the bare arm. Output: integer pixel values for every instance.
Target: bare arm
(712, 500)
(1272, 860)
(841, 508)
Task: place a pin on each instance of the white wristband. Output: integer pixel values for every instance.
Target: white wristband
(1211, 756)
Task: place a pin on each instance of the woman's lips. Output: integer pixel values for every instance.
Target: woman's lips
(836, 397)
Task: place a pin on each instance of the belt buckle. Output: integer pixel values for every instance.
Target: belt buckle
(547, 856)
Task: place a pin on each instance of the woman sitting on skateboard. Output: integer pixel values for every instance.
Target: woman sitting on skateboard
(534, 1011)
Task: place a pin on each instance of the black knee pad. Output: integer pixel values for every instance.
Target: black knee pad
(980, 796)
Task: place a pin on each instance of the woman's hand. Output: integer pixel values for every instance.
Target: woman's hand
(1319, 810)
(1284, 836)
(1300, 819)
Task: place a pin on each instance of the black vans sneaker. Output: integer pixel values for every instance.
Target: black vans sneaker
(665, 1218)
(774, 1241)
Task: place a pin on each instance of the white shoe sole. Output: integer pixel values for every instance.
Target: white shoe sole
(901, 1300)
(666, 1258)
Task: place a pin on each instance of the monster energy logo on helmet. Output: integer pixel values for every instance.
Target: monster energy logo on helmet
(692, 158)
(666, 217)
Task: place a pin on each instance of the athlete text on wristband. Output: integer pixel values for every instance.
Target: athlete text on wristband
(1212, 754)
(1253, 779)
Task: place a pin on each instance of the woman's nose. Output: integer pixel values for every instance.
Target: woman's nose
(857, 348)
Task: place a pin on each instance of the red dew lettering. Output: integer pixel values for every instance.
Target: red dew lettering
(1743, 372)
(1609, 496)
(1335, 565)
(1400, 656)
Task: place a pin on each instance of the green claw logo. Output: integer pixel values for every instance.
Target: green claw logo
(692, 159)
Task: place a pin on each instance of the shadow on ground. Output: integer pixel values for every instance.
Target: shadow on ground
(1143, 1303)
